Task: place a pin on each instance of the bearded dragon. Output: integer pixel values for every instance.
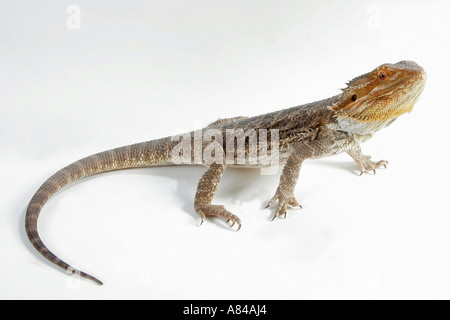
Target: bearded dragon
(328, 127)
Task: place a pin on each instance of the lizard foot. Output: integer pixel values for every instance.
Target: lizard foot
(211, 210)
(283, 203)
(368, 165)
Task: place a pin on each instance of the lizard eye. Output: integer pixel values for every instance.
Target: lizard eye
(354, 97)
(382, 76)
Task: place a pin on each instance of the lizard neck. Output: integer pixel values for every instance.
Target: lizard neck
(362, 126)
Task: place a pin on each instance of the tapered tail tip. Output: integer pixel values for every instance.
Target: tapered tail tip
(96, 281)
(88, 276)
(82, 274)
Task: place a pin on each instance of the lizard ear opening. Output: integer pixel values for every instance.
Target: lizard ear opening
(354, 97)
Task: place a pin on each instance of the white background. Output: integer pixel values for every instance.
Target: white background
(148, 69)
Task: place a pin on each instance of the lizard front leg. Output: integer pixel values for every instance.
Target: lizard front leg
(206, 189)
(285, 190)
(364, 163)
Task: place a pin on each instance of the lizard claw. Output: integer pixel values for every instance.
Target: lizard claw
(271, 201)
(235, 221)
(294, 203)
(283, 203)
(370, 165)
(211, 210)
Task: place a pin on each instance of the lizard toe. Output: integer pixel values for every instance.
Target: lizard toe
(371, 166)
(283, 204)
(212, 210)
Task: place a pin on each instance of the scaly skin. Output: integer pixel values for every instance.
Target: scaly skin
(338, 124)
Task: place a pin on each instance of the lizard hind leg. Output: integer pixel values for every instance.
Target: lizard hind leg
(206, 189)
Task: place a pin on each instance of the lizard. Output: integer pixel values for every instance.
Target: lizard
(319, 129)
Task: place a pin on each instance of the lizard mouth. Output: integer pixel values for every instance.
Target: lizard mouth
(406, 94)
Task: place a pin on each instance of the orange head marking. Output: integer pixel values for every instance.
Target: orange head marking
(375, 99)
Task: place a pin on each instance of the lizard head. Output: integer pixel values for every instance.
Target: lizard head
(374, 100)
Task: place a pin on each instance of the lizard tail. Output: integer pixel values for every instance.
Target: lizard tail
(146, 154)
